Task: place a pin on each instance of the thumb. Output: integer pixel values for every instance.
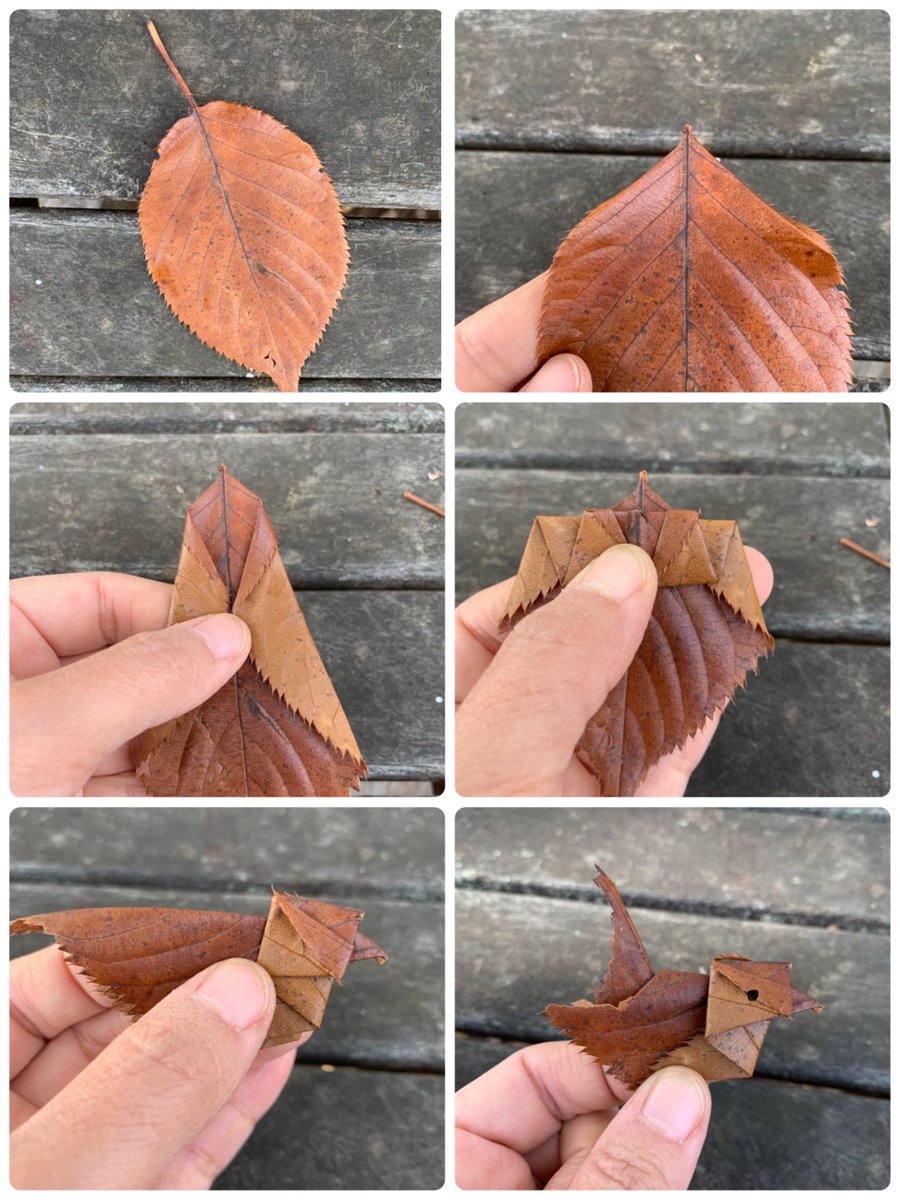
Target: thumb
(563, 373)
(654, 1141)
(518, 727)
(63, 723)
(126, 1116)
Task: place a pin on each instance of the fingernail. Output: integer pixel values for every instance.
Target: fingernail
(223, 633)
(675, 1101)
(238, 990)
(564, 373)
(618, 573)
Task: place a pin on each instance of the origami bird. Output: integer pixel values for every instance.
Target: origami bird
(136, 956)
(644, 1019)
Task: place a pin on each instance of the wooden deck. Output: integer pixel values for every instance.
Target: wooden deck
(797, 478)
(382, 1041)
(368, 566)
(560, 110)
(807, 886)
(91, 99)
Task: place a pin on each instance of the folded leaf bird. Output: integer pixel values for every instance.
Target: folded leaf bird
(136, 956)
(644, 1019)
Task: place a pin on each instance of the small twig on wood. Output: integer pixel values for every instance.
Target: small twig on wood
(424, 503)
(882, 562)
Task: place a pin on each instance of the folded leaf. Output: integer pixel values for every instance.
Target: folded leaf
(136, 956)
(688, 282)
(705, 633)
(243, 235)
(715, 1024)
(277, 727)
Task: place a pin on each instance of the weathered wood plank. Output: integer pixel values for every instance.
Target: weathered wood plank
(821, 589)
(816, 722)
(66, 383)
(516, 954)
(82, 303)
(182, 417)
(388, 1016)
(346, 1129)
(722, 861)
(764, 1134)
(623, 80)
(359, 851)
(502, 244)
(91, 99)
(808, 438)
(117, 501)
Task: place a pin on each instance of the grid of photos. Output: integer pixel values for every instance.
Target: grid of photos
(238, 790)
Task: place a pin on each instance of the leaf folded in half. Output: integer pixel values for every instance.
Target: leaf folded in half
(243, 235)
(136, 956)
(688, 282)
(706, 630)
(277, 727)
(643, 1020)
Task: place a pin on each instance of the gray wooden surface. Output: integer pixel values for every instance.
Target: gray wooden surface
(367, 565)
(382, 1035)
(771, 884)
(558, 111)
(797, 478)
(90, 101)
(91, 98)
(82, 304)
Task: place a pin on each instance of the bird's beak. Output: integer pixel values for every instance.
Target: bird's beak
(802, 1002)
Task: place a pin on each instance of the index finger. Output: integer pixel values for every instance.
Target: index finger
(477, 634)
(496, 347)
(528, 1097)
(46, 997)
(66, 615)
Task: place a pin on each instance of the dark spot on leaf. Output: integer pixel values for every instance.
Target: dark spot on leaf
(753, 994)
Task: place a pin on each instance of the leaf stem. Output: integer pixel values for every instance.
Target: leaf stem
(875, 558)
(424, 503)
(157, 42)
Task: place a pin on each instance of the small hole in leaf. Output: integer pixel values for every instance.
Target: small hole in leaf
(753, 994)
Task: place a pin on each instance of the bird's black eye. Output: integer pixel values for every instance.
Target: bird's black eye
(753, 994)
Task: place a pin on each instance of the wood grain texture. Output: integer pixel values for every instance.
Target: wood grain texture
(817, 724)
(502, 987)
(501, 246)
(356, 850)
(394, 1120)
(759, 438)
(95, 311)
(748, 1114)
(628, 81)
(182, 417)
(315, 486)
(91, 100)
(64, 383)
(818, 592)
(774, 860)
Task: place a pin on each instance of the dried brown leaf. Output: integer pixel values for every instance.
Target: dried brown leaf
(706, 630)
(136, 956)
(687, 281)
(243, 234)
(277, 728)
(715, 1024)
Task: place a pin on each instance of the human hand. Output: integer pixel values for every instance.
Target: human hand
(98, 1102)
(524, 697)
(544, 1118)
(496, 349)
(78, 708)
